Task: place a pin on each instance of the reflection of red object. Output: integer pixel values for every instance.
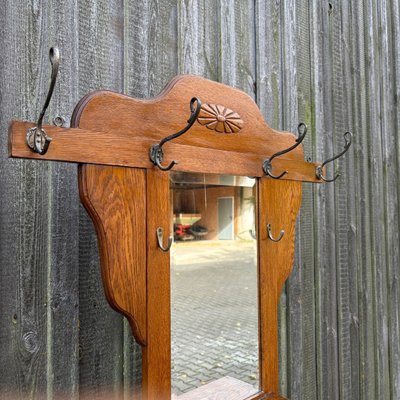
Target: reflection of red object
(181, 230)
(189, 232)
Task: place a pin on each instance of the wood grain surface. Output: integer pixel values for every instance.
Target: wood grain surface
(168, 112)
(115, 198)
(278, 205)
(110, 148)
(127, 206)
(157, 352)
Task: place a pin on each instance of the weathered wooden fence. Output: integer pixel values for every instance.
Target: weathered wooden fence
(334, 65)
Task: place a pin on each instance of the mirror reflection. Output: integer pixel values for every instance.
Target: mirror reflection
(214, 298)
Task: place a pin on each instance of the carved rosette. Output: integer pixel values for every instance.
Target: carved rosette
(220, 118)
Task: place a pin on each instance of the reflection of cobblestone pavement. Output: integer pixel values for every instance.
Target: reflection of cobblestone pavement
(214, 313)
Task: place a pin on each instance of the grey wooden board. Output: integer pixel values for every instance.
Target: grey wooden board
(101, 341)
(334, 65)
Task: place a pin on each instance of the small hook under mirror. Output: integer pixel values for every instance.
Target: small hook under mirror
(36, 137)
(282, 232)
(267, 165)
(318, 171)
(160, 239)
(156, 151)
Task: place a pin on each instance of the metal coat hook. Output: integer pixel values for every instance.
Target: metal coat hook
(282, 232)
(156, 151)
(318, 171)
(267, 165)
(160, 239)
(36, 137)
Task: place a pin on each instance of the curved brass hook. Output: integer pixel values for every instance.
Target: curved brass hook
(36, 137)
(267, 165)
(282, 232)
(156, 151)
(318, 171)
(160, 239)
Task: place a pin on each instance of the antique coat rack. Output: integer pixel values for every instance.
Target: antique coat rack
(124, 147)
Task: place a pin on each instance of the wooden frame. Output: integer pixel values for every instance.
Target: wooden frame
(126, 195)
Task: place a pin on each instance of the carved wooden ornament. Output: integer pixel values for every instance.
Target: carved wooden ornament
(220, 118)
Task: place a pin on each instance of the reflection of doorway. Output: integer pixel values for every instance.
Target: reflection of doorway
(225, 218)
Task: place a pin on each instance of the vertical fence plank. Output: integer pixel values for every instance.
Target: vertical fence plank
(137, 43)
(340, 110)
(63, 268)
(101, 328)
(268, 26)
(150, 37)
(27, 210)
(269, 97)
(376, 206)
(237, 45)
(349, 303)
(198, 38)
(163, 51)
(326, 262)
(190, 37)
(63, 373)
(299, 106)
(367, 257)
(387, 231)
(360, 55)
(390, 147)
(393, 218)
(11, 208)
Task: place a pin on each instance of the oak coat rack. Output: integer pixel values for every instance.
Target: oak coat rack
(126, 194)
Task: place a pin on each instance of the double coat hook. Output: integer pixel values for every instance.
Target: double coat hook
(267, 165)
(318, 170)
(36, 137)
(156, 151)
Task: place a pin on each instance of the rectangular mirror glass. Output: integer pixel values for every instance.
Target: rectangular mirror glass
(214, 288)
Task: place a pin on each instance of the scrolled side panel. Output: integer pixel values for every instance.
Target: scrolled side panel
(115, 198)
(279, 204)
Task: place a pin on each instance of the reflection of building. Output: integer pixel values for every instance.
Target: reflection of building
(224, 205)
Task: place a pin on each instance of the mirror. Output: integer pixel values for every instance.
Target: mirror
(214, 288)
